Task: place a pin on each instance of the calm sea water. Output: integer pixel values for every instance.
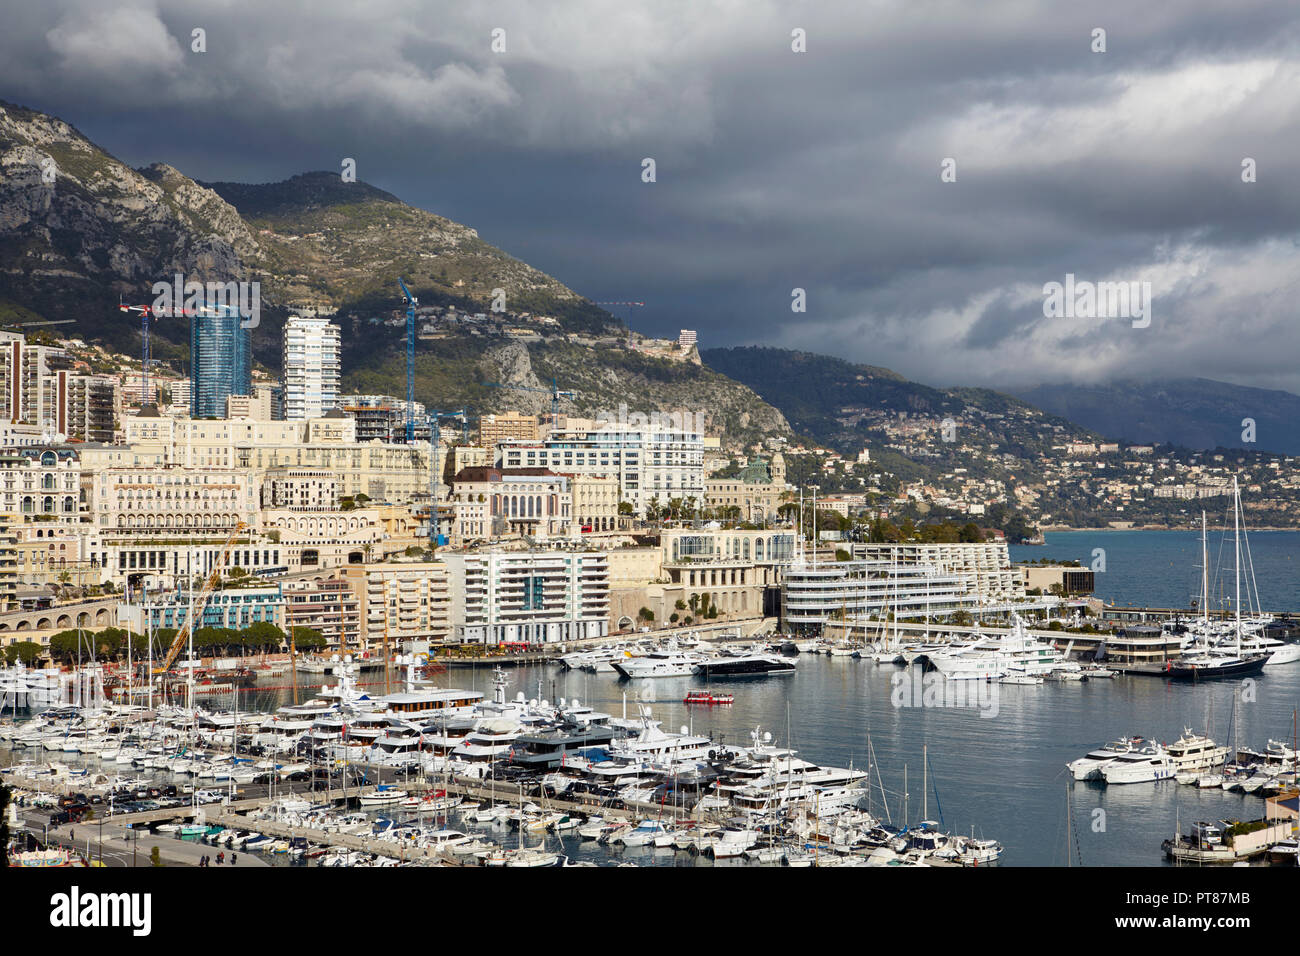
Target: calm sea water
(1162, 568)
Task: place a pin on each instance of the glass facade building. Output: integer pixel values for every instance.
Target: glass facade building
(221, 363)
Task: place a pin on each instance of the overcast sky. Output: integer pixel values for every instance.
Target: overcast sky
(775, 169)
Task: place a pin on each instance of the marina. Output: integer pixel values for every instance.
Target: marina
(991, 775)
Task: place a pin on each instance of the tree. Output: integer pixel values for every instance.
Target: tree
(29, 652)
(308, 639)
(155, 857)
(646, 614)
(625, 508)
(262, 636)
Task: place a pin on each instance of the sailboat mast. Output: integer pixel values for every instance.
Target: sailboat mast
(925, 782)
(1236, 535)
(1205, 579)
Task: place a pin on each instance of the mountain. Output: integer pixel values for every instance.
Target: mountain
(1195, 412)
(843, 404)
(79, 229)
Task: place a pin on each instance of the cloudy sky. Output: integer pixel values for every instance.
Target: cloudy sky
(775, 169)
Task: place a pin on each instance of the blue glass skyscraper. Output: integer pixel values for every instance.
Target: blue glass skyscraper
(221, 363)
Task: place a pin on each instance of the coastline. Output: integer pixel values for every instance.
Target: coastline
(1048, 529)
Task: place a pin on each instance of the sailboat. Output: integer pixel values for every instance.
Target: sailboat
(1210, 663)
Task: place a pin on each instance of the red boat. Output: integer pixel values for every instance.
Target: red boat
(704, 697)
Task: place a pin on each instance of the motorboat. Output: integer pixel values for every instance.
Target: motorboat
(1089, 766)
(656, 664)
(745, 665)
(1143, 765)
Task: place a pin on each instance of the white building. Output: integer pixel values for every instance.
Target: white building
(649, 460)
(310, 367)
(983, 566)
(531, 597)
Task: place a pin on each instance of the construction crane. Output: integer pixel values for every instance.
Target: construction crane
(25, 325)
(411, 303)
(148, 312)
(555, 393)
(200, 601)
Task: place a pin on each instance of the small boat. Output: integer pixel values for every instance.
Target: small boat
(383, 795)
(1020, 679)
(706, 697)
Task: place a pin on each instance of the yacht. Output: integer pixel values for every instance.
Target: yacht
(745, 665)
(491, 738)
(1193, 752)
(1015, 652)
(657, 664)
(1143, 765)
(1090, 765)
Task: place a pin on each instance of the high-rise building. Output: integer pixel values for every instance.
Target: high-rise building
(310, 367)
(221, 363)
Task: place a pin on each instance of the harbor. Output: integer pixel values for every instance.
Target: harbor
(993, 779)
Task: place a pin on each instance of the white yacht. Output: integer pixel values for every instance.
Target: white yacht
(1013, 652)
(491, 738)
(657, 664)
(1193, 752)
(1143, 765)
(1090, 765)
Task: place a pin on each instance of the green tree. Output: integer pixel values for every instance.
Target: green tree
(155, 857)
(29, 652)
(308, 639)
(646, 614)
(262, 636)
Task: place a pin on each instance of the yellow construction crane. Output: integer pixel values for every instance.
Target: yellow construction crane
(200, 602)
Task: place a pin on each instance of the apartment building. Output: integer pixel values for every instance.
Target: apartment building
(649, 462)
(310, 367)
(400, 601)
(530, 597)
(327, 605)
(507, 426)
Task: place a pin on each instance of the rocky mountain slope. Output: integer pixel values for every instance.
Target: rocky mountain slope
(79, 229)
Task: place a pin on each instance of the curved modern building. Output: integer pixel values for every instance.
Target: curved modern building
(221, 363)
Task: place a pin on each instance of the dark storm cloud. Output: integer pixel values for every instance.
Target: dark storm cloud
(775, 170)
